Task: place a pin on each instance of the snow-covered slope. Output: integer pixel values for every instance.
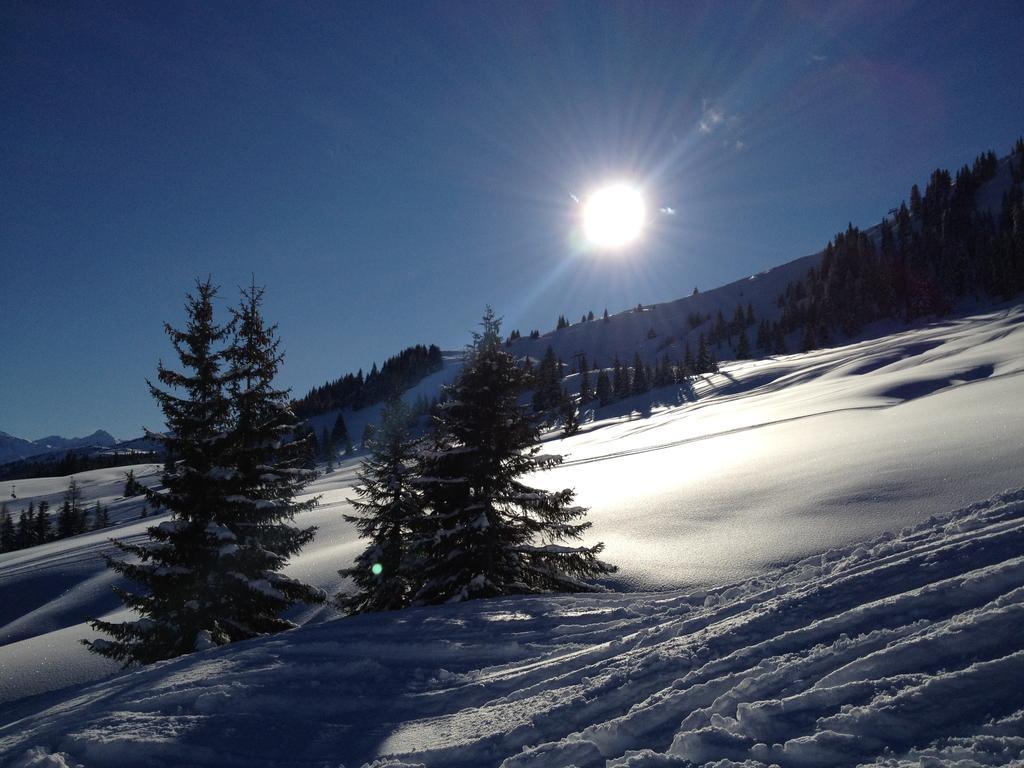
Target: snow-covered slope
(899, 651)
(429, 387)
(628, 333)
(764, 464)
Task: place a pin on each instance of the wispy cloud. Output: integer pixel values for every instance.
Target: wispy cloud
(710, 117)
(816, 58)
(668, 210)
(714, 119)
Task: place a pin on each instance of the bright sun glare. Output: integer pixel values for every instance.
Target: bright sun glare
(613, 215)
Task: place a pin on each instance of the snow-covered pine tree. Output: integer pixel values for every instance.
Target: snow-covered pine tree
(264, 473)
(569, 412)
(388, 512)
(494, 535)
(178, 607)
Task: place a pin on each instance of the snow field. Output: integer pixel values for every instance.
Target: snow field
(851, 657)
(896, 651)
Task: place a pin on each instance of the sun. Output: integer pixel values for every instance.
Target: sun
(613, 215)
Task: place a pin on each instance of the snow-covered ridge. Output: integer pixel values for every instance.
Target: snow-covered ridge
(849, 657)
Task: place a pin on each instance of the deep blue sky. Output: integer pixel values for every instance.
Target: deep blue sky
(386, 169)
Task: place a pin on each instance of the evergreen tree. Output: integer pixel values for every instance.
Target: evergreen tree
(570, 414)
(23, 533)
(492, 534)
(178, 569)
(368, 430)
(548, 383)
(388, 512)
(327, 446)
(304, 437)
(743, 346)
(66, 521)
(529, 374)
(705, 362)
(663, 374)
(8, 536)
(256, 526)
(763, 341)
(739, 320)
(76, 514)
(689, 367)
(30, 525)
(778, 340)
(620, 380)
(603, 388)
(808, 341)
(641, 383)
(100, 517)
(605, 315)
(340, 434)
(42, 523)
(586, 395)
(131, 485)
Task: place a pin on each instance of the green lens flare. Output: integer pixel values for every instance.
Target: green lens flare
(377, 569)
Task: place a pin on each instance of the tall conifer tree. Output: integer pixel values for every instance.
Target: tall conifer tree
(177, 607)
(492, 534)
(264, 476)
(388, 512)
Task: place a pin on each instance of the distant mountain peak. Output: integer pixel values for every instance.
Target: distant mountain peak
(13, 448)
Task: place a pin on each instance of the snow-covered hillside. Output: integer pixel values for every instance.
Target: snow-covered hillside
(660, 329)
(905, 650)
(699, 494)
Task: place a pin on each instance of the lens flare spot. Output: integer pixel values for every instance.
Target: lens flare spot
(377, 569)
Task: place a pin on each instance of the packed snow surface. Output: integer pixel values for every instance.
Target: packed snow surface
(693, 490)
(905, 650)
